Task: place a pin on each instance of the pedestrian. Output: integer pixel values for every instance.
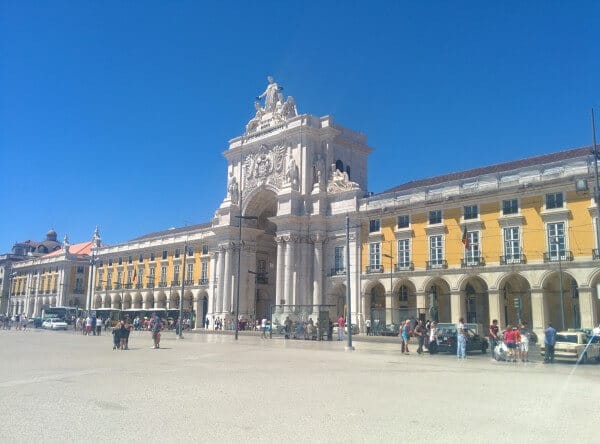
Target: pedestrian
(24, 321)
(288, 327)
(206, 323)
(341, 324)
(461, 339)
(510, 341)
(524, 346)
(368, 326)
(98, 326)
(263, 328)
(405, 332)
(116, 337)
(128, 328)
(420, 332)
(88, 325)
(156, 327)
(493, 331)
(549, 341)
(94, 322)
(432, 338)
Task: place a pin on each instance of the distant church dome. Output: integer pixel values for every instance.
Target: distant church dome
(51, 235)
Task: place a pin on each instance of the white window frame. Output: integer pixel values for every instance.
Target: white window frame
(558, 231)
(436, 252)
(404, 253)
(512, 244)
(375, 255)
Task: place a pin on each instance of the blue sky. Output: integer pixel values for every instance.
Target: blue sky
(116, 114)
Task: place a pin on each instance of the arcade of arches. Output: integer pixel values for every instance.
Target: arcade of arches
(514, 301)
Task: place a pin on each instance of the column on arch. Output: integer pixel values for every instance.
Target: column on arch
(458, 307)
(317, 298)
(587, 307)
(220, 280)
(290, 253)
(496, 299)
(211, 305)
(227, 268)
(539, 310)
(279, 289)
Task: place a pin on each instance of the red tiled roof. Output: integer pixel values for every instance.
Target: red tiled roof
(82, 249)
(173, 231)
(497, 168)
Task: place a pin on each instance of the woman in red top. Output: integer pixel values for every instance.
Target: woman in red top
(509, 340)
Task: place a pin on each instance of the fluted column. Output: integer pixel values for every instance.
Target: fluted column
(227, 281)
(211, 305)
(317, 298)
(220, 280)
(290, 254)
(279, 289)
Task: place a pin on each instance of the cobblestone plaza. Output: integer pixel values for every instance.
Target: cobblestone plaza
(64, 387)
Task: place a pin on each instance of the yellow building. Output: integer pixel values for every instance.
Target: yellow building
(54, 274)
(513, 242)
(154, 270)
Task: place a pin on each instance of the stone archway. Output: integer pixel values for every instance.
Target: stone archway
(160, 300)
(337, 297)
(476, 301)
(126, 302)
(515, 300)
(437, 292)
(138, 301)
(561, 305)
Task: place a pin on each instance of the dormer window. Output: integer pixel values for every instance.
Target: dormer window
(471, 212)
(554, 200)
(435, 217)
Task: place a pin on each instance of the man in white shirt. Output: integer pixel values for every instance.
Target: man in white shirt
(263, 328)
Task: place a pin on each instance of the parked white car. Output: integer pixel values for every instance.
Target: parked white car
(54, 324)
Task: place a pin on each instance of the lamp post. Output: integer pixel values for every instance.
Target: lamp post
(391, 258)
(349, 347)
(237, 296)
(180, 335)
(555, 241)
(10, 284)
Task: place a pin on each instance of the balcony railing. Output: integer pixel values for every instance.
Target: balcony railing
(435, 265)
(150, 284)
(118, 286)
(129, 285)
(477, 261)
(138, 286)
(374, 269)
(98, 287)
(513, 259)
(404, 266)
(566, 255)
(202, 281)
(337, 272)
(108, 287)
(595, 254)
(189, 282)
(162, 284)
(175, 283)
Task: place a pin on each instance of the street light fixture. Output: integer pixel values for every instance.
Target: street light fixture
(237, 297)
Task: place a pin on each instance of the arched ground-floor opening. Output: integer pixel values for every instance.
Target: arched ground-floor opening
(264, 301)
(438, 300)
(337, 297)
(476, 300)
(561, 303)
